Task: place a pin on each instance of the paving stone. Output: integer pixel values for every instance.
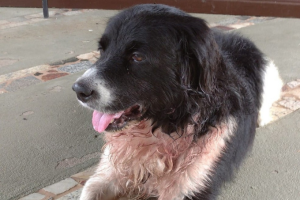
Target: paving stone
(294, 84)
(34, 196)
(241, 25)
(22, 83)
(82, 177)
(52, 71)
(22, 73)
(93, 60)
(38, 74)
(72, 196)
(224, 28)
(277, 111)
(35, 69)
(296, 93)
(86, 56)
(51, 76)
(288, 102)
(291, 103)
(257, 20)
(77, 67)
(229, 21)
(61, 186)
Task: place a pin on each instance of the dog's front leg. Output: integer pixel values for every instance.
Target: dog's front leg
(103, 184)
(99, 187)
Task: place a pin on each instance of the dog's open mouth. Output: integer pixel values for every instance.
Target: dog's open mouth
(116, 121)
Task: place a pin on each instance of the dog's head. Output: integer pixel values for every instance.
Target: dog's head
(156, 63)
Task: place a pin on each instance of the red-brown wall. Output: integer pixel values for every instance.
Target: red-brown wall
(278, 8)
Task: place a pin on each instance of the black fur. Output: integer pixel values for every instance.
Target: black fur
(188, 69)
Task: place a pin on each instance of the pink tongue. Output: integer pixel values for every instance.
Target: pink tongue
(102, 120)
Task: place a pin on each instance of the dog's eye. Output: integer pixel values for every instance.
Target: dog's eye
(100, 48)
(137, 57)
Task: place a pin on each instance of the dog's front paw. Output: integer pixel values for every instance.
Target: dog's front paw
(88, 196)
(96, 192)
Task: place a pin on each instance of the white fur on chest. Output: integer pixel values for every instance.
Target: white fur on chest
(155, 164)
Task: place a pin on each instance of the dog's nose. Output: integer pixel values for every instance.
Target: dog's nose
(83, 92)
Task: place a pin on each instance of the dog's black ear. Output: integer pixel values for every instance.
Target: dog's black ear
(199, 55)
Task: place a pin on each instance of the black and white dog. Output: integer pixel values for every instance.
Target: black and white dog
(177, 102)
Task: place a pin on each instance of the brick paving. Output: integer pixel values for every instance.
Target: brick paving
(70, 188)
(23, 78)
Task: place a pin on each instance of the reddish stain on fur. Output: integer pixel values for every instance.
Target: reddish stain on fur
(154, 164)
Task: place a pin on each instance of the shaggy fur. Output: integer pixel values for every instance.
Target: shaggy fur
(180, 104)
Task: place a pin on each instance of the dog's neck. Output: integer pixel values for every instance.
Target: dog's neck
(143, 157)
(140, 136)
